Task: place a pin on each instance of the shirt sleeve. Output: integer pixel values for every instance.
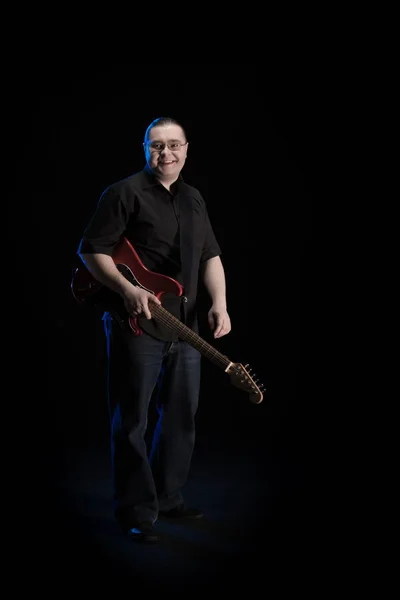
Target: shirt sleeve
(107, 224)
(211, 247)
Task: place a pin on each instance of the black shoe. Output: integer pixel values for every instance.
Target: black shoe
(181, 512)
(143, 533)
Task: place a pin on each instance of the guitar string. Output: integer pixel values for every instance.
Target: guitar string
(210, 351)
(168, 319)
(171, 321)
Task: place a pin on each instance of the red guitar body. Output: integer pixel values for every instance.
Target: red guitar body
(86, 289)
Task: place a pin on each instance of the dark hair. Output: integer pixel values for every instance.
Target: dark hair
(159, 122)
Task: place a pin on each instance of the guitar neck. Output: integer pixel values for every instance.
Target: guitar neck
(185, 333)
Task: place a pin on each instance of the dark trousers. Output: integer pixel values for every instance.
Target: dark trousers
(148, 477)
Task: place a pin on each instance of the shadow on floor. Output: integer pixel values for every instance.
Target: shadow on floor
(255, 522)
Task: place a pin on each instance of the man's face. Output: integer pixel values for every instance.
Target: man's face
(166, 160)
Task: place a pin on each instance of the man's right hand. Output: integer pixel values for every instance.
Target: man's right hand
(137, 301)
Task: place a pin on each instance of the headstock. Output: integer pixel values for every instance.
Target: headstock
(242, 377)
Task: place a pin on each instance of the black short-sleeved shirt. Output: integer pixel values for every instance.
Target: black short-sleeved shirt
(170, 231)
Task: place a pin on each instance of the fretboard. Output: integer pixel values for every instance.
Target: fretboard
(185, 333)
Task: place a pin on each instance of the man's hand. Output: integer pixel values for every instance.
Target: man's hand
(137, 301)
(219, 322)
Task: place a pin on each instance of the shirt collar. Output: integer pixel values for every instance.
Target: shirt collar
(150, 180)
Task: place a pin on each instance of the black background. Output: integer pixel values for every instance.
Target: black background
(252, 153)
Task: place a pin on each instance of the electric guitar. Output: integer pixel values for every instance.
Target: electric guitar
(87, 290)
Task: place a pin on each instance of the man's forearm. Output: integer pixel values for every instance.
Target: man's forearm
(103, 268)
(213, 276)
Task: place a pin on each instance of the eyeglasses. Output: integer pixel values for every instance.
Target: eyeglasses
(159, 146)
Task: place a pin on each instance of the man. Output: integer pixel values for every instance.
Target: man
(165, 221)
